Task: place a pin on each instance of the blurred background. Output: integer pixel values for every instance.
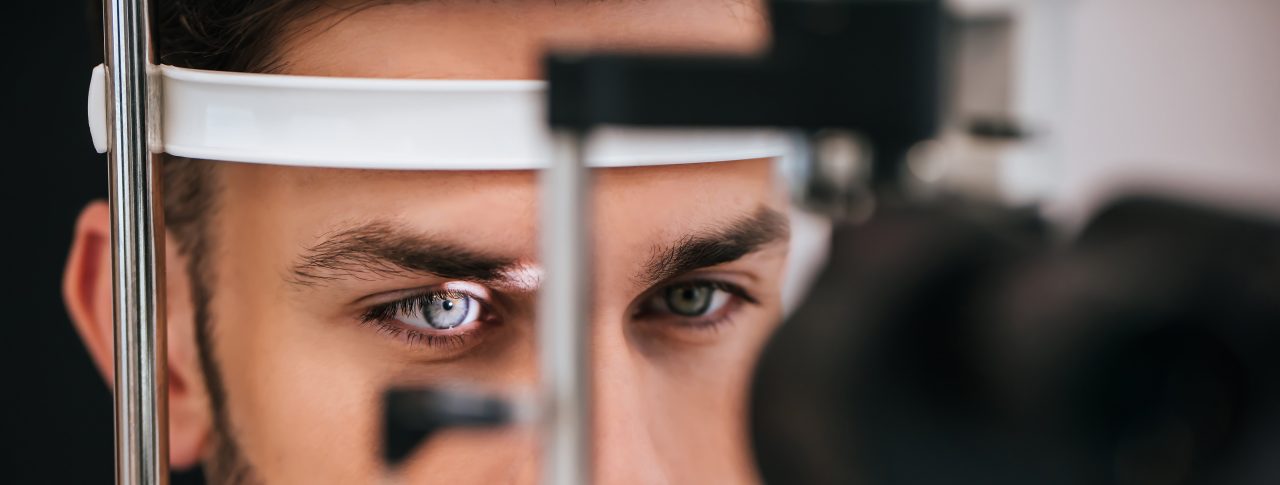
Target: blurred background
(57, 409)
(57, 419)
(1172, 96)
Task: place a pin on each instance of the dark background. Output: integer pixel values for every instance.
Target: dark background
(57, 419)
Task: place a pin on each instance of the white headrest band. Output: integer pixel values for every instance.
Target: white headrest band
(398, 124)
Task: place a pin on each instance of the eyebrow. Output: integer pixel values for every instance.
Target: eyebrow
(716, 246)
(384, 250)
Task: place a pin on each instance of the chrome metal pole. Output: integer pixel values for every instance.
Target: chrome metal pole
(137, 244)
(563, 316)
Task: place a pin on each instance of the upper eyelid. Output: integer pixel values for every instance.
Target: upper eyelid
(697, 277)
(410, 297)
(368, 313)
(392, 296)
(717, 272)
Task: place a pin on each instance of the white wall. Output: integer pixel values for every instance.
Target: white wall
(1171, 95)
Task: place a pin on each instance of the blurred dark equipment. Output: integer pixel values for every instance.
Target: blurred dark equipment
(949, 343)
(959, 348)
(871, 66)
(411, 415)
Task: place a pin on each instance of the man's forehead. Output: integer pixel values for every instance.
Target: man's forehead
(709, 178)
(507, 39)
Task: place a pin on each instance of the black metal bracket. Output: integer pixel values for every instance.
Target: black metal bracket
(872, 66)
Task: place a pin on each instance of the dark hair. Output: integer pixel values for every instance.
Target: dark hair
(224, 35)
(220, 35)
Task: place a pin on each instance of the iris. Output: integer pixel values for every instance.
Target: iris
(441, 311)
(693, 299)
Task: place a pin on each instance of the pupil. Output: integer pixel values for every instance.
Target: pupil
(690, 301)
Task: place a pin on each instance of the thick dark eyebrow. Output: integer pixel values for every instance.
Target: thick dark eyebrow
(716, 246)
(385, 250)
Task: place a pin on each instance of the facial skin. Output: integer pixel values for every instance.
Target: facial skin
(307, 265)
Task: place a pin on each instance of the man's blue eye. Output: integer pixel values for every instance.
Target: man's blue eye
(440, 311)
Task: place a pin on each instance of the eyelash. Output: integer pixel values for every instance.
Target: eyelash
(383, 318)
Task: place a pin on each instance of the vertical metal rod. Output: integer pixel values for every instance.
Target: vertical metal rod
(141, 398)
(563, 316)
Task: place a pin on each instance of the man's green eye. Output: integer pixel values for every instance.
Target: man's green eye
(694, 299)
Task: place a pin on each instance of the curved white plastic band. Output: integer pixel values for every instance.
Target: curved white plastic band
(98, 108)
(400, 124)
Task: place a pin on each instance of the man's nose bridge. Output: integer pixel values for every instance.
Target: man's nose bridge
(624, 448)
(615, 370)
(617, 381)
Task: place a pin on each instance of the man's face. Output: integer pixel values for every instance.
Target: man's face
(329, 286)
(327, 295)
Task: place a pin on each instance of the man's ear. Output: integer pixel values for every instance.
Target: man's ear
(86, 289)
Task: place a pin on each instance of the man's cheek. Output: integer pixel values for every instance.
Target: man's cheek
(312, 411)
(506, 455)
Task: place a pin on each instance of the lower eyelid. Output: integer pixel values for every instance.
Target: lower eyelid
(435, 340)
(724, 315)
